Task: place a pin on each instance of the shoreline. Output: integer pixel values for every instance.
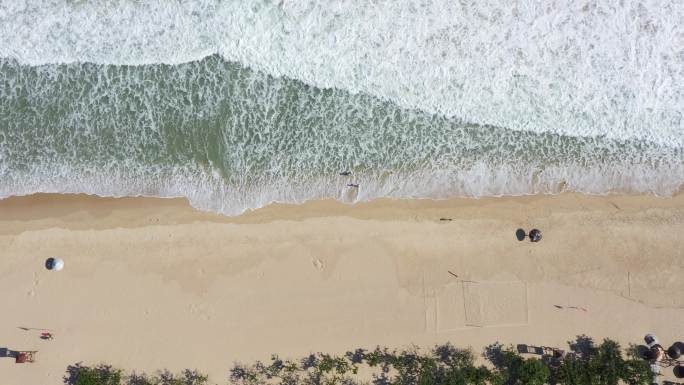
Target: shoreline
(151, 283)
(386, 208)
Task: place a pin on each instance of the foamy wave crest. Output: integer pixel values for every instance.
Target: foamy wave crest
(207, 192)
(231, 139)
(591, 69)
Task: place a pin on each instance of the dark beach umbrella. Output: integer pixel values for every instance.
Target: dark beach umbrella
(650, 354)
(650, 340)
(520, 234)
(535, 235)
(644, 352)
(674, 352)
(678, 371)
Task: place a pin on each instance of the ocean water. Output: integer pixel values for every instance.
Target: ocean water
(238, 104)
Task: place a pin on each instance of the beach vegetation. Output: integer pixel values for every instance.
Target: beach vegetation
(512, 369)
(97, 375)
(444, 364)
(603, 365)
(103, 374)
(585, 364)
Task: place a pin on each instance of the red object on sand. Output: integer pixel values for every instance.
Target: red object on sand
(23, 357)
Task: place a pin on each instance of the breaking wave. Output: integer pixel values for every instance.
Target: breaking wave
(238, 104)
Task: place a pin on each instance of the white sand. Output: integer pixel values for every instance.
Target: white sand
(151, 284)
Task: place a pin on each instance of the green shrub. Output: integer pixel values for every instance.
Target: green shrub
(604, 365)
(106, 375)
(513, 369)
(98, 375)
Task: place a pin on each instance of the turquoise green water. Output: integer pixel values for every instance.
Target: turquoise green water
(230, 138)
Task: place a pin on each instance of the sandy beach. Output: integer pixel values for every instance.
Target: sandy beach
(152, 283)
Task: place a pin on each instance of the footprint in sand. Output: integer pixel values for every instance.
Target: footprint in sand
(36, 281)
(317, 263)
(201, 311)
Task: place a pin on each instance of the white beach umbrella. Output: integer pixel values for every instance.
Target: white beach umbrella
(54, 264)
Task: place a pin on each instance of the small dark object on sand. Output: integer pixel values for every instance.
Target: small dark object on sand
(535, 235)
(520, 234)
(678, 371)
(445, 219)
(353, 185)
(345, 173)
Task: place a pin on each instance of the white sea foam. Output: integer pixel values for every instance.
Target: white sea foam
(594, 69)
(209, 192)
(231, 139)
